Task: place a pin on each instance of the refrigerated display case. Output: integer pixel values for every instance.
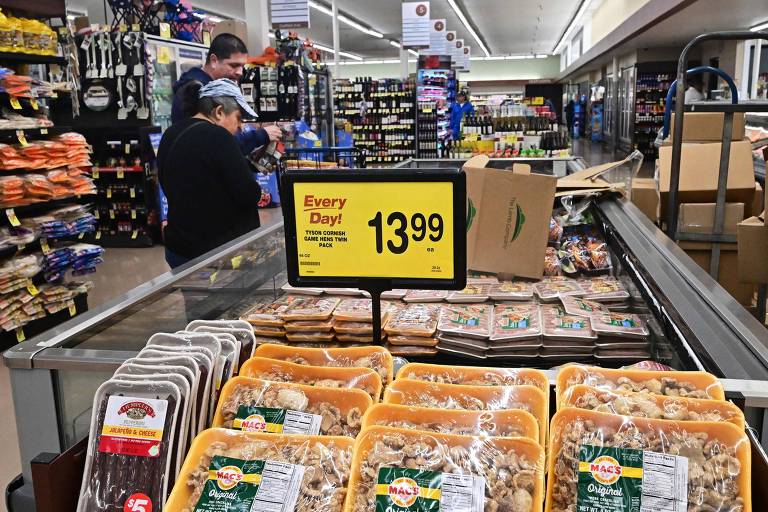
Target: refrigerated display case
(316, 103)
(696, 325)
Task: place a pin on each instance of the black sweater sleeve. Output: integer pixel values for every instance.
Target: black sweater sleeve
(234, 170)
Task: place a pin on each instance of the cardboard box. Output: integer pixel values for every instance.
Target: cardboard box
(240, 29)
(707, 127)
(753, 250)
(700, 217)
(699, 167)
(728, 275)
(591, 180)
(508, 218)
(646, 197)
(758, 202)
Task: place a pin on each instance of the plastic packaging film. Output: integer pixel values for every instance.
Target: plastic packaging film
(471, 320)
(609, 462)
(503, 423)
(394, 469)
(262, 406)
(685, 384)
(646, 405)
(150, 411)
(471, 398)
(240, 329)
(226, 469)
(322, 376)
(474, 375)
(373, 357)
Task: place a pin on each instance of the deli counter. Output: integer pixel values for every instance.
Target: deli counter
(696, 325)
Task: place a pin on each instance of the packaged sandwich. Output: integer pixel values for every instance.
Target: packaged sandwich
(474, 375)
(582, 307)
(256, 405)
(515, 322)
(604, 289)
(309, 308)
(505, 423)
(473, 292)
(235, 470)
(471, 321)
(130, 444)
(396, 468)
(413, 320)
(322, 376)
(309, 326)
(619, 324)
(552, 288)
(611, 462)
(666, 383)
(375, 358)
(269, 314)
(425, 296)
(556, 325)
(511, 290)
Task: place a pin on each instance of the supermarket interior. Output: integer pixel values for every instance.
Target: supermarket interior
(383, 255)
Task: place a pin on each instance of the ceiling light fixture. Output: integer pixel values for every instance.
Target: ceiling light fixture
(572, 25)
(328, 49)
(347, 20)
(542, 56)
(758, 28)
(395, 44)
(514, 57)
(413, 52)
(469, 28)
(214, 19)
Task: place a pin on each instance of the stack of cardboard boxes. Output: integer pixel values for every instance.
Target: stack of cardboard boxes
(699, 168)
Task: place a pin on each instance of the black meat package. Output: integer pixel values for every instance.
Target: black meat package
(128, 463)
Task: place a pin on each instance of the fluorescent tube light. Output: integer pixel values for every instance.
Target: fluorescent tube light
(758, 28)
(328, 49)
(395, 44)
(469, 28)
(344, 19)
(413, 52)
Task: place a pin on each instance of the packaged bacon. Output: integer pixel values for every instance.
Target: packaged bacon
(515, 322)
(581, 307)
(130, 443)
(413, 320)
(309, 308)
(511, 290)
(471, 321)
(425, 296)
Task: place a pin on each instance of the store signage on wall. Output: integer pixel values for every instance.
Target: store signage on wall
(467, 51)
(437, 38)
(450, 44)
(289, 13)
(416, 25)
(458, 54)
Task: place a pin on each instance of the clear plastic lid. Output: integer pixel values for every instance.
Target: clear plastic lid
(472, 320)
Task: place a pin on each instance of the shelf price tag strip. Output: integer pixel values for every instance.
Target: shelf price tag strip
(376, 230)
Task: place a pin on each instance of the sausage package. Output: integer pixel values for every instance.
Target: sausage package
(355, 310)
(375, 358)
(472, 398)
(511, 290)
(309, 308)
(646, 405)
(472, 293)
(309, 336)
(269, 314)
(269, 331)
(474, 375)
(413, 320)
(472, 321)
(398, 469)
(461, 349)
(558, 325)
(357, 328)
(308, 326)
(582, 307)
(131, 445)
(410, 350)
(425, 296)
(667, 383)
(515, 322)
(619, 324)
(244, 471)
(322, 376)
(604, 289)
(504, 423)
(256, 405)
(604, 461)
(416, 341)
(551, 289)
(356, 338)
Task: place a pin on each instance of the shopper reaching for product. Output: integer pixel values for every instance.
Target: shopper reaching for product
(212, 196)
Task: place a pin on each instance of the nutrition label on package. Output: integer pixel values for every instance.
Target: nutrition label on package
(279, 487)
(462, 493)
(301, 423)
(665, 483)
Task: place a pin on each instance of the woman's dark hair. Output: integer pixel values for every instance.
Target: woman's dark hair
(192, 104)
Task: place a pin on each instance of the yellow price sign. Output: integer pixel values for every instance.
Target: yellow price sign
(163, 55)
(120, 173)
(22, 138)
(34, 104)
(12, 218)
(375, 229)
(165, 30)
(15, 103)
(20, 336)
(72, 308)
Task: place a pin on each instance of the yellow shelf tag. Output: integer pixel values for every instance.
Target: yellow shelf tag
(15, 103)
(135, 27)
(133, 192)
(22, 138)
(120, 173)
(112, 214)
(34, 104)
(82, 235)
(20, 334)
(135, 234)
(133, 214)
(109, 193)
(12, 218)
(98, 235)
(72, 308)
(44, 246)
(165, 30)
(95, 172)
(214, 276)
(128, 148)
(96, 215)
(237, 261)
(43, 131)
(31, 288)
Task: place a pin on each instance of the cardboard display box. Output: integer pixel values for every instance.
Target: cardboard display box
(699, 167)
(728, 275)
(707, 127)
(758, 202)
(646, 197)
(753, 250)
(508, 218)
(700, 217)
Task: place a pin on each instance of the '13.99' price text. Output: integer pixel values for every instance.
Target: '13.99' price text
(419, 225)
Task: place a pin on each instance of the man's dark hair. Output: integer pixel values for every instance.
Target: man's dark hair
(224, 45)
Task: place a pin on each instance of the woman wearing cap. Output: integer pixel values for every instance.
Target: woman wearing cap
(212, 195)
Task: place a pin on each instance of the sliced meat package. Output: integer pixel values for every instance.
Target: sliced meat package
(257, 405)
(609, 462)
(472, 398)
(309, 308)
(356, 338)
(393, 468)
(270, 331)
(393, 294)
(582, 307)
(505, 423)
(355, 310)
(413, 320)
(604, 289)
(410, 350)
(287, 288)
(474, 375)
(461, 349)
(130, 443)
(551, 289)
(269, 314)
(279, 472)
(242, 331)
(560, 326)
(511, 290)
(309, 336)
(309, 326)
(666, 383)
(416, 341)
(471, 321)
(322, 376)
(473, 292)
(515, 322)
(352, 327)
(619, 324)
(425, 296)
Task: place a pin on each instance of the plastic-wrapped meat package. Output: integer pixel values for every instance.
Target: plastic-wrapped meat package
(552, 288)
(425, 296)
(257, 405)
(582, 307)
(269, 331)
(309, 326)
(321, 376)
(375, 358)
(354, 310)
(465, 347)
(410, 350)
(471, 398)
(646, 405)
(309, 336)
(505, 423)
(473, 292)
(413, 320)
(474, 375)
(552, 263)
(300, 473)
(515, 322)
(473, 321)
(394, 294)
(269, 314)
(309, 308)
(287, 288)
(412, 341)
(604, 289)
(619, 324)
(558, 325)
(397, 468)
(357, 328)
(666, 383)
(242, 331)
(511, 290)
(130, 445)
(611, 462)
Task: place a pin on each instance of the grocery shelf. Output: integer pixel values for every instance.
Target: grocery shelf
(9, 339)
(33, 209)
(29, 58)
(136, 168)
(119, 240)
(10, 135)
